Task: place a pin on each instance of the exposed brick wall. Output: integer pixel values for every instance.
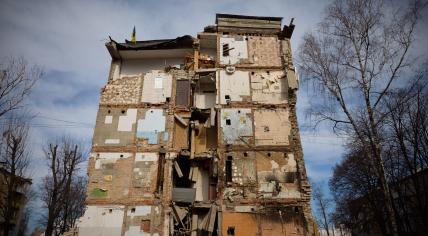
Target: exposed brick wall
(126, 90)
(264, 51)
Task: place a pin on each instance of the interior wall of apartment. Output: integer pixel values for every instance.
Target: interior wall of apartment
(264, 51)
(157, 87)
(239, 223)
(133, 67)
(269, 87)
(142, 220)
(205, 91)
(151, 126)
(236, 126)
(144, 174)
(235, 51)
(110, 176)
(115, 127)
(101, 220)
(277, 175)
(234, 87)
(271, 127)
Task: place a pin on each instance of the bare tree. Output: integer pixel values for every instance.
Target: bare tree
(74, 205)
(62, 189)
(17, 79)
(323, 208)
(14, 158)
(359, 203)
(356, 57)
(353, 185)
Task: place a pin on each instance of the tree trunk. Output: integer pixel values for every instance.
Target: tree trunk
(386, 192)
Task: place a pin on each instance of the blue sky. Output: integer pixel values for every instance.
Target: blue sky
(67, 39)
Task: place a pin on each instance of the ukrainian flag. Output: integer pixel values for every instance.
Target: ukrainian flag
(133, 37)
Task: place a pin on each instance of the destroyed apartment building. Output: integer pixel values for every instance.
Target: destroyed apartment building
(199, 136)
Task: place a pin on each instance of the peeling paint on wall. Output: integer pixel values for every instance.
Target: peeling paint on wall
(127, 121)
(264, 51)
(269, 87)
(237, 126)
(157, 87)
(276, 173)
(152, 126)
(235, 50)
(272, 127)
(234, 87)
(112, 141)
(115, 127)
(104, 157)
(145, 171)
(101, 220)
(108, 120)
(142, 220)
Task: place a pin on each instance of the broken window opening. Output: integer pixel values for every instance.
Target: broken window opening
(183, 164)
(290, 177)
(226, 50)
(205, 91)
(245, 154)
(229, 169)
(230, 230)
(159, 180)
(182, 92)
(145, 225)
(228, 100)
(228, 122)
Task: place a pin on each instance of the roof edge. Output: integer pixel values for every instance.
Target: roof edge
(220, 15)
